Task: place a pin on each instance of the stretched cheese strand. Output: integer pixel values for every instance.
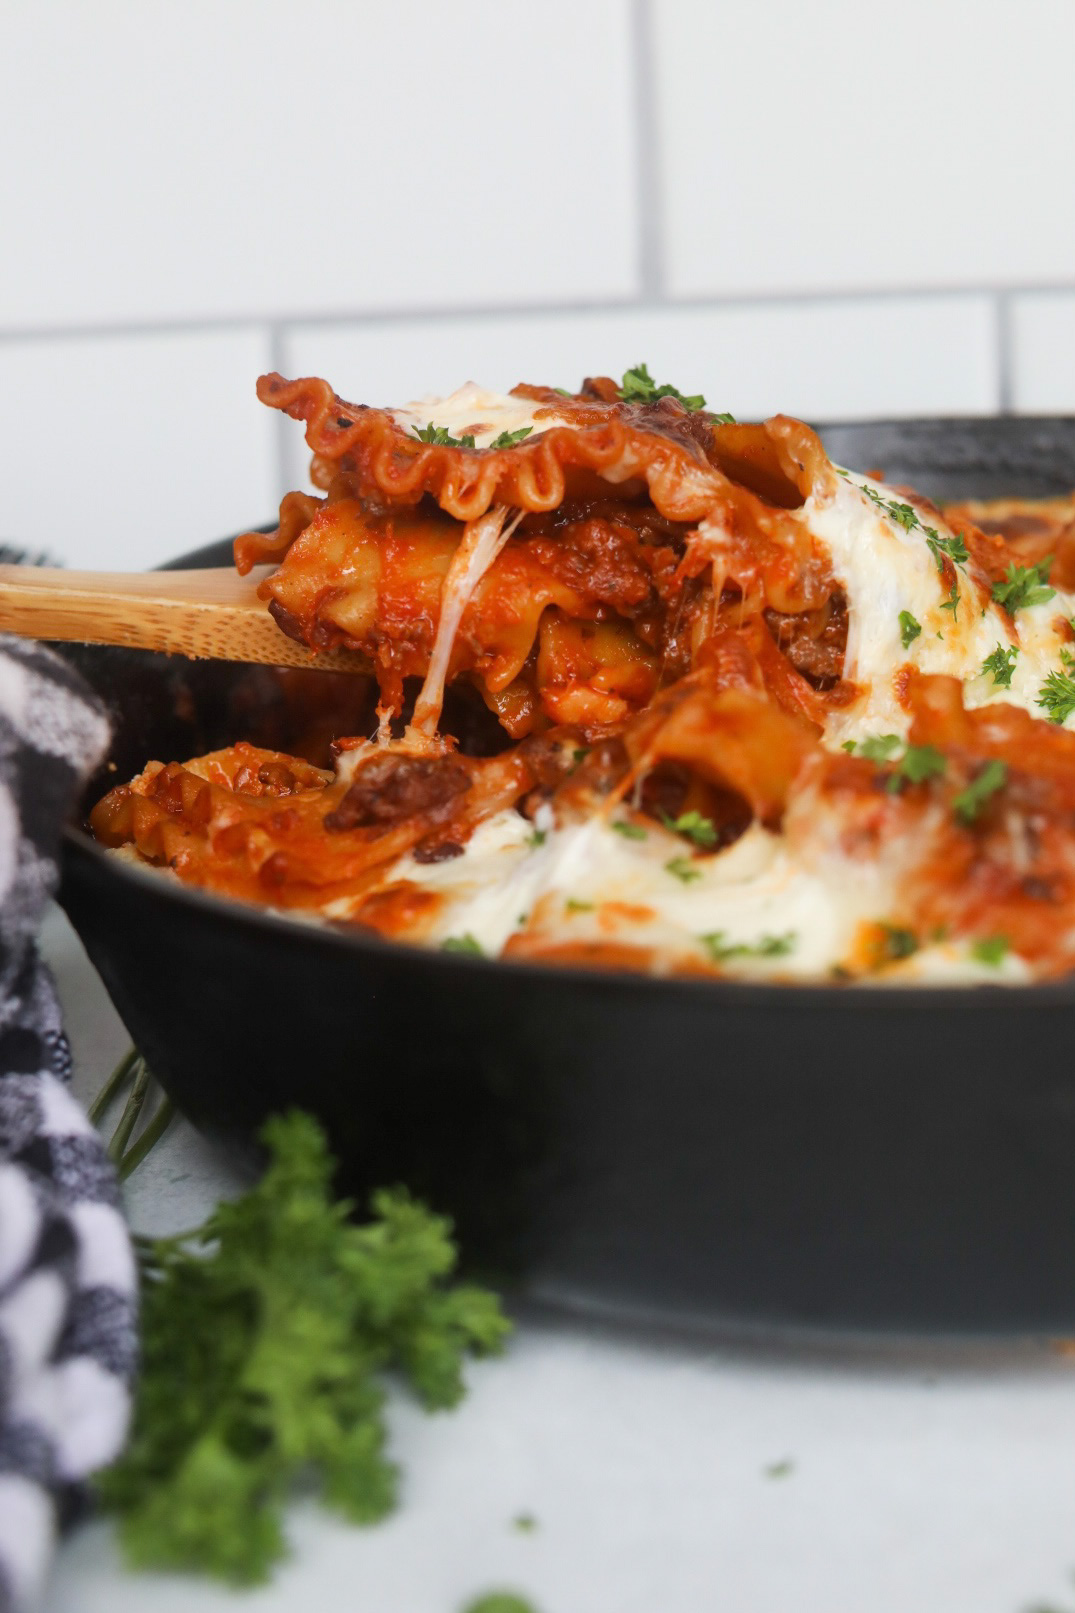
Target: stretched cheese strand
(482, 542)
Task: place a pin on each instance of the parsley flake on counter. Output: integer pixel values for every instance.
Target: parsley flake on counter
(1024, 586)
(629, 831)
(264, 1336)
(879, 747)
(693, 826)
(993, 949)
(779, 1470)
(525, 1522)
(1057, 694)
(917, 764)
(463, 943)
(909, 629)
(508, 439)
(683, 869)
(638, 386)
(767, 946)
(442, 437)
(969, 802)
(1001, 663)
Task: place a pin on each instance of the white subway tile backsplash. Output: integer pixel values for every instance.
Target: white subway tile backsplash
(1043, 353)
(866, 356)
(180, 161)
(845, 146)
(121, 452)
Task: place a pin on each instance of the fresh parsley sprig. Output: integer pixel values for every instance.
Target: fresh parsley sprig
(508, 439)
(264, 1336)
(442, 437)
(693, 826)
(1057, 694)
(917, 764)
(909, 629)
(638, 386)
(1001, 664)
(1024, 586)
(969, 802)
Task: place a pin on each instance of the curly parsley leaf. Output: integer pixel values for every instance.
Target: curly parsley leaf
(952, 602)
(992, 949)
(264, 1335)
(1057, 695)
(638, 386)
(629, 831)
(720, 948)
(1024, 586)
(917, 764)
(952, 548)
(1001, 664)
(508, 439)
(878, 747)
(694, 826)
(442, 437)
(682, 868)
(969, 802)
(909, 629)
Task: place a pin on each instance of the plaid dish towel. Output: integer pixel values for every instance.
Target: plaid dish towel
(67, 1274)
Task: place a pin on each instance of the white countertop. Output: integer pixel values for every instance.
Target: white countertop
(919, 1479)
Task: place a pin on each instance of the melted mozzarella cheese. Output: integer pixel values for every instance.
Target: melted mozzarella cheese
(474, 411)
(885, 570)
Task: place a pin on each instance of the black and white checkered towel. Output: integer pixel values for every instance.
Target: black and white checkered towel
(67, 1274)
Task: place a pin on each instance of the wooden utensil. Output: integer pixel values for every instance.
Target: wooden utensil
(212, 614)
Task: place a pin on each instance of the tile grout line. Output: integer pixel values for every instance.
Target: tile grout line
(524, 310)
(649, 200)
(1005, 353)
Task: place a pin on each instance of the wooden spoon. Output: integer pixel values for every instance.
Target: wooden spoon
(215, 614)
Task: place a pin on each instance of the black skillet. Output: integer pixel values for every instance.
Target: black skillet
(810, 1157)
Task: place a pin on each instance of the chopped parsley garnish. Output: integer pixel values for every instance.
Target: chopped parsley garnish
(767, 946)
(629, 831)
(917, 764)
(508, 439)
(537, 838)
(952, 548)
(1057, 696)
(525, 1522)
(573, 906)
(693, 826)
(1001, 663)
(952, 602)
(909, 629)
(463, 943)
(993, 949)
(442, 436)
(969, 802)
(1024, 586)
(897, 942)
(500, 1602)
(879, 747)
(724, 419)
(849, 746)
(683, 869)
(638, 386)
(265, 1336)
(579, 754)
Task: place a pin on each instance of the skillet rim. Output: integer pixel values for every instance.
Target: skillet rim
(823, 995)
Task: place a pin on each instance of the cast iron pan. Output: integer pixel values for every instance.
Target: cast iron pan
(735, 1154)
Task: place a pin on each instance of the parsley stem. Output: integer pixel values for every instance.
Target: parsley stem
(149, 1138)
(129, 1118)
(118, 1079)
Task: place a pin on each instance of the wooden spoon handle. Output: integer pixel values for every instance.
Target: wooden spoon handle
(214, 614)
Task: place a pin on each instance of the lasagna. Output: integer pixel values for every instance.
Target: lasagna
(656, 690)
